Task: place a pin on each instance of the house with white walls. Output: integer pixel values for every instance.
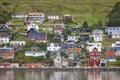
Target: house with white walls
(113, 32)
(5, 38)
(20, 43)
(72, 38)
(97, 35)
(32, 25)
(91, 46)
(53, 17)
(58, 62)
(53, 46)
(35, 53)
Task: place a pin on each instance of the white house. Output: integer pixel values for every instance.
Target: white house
(53, 17)
(6, 52)
(4, 38)
(91, 46)
(72, 38)
(113, 32)
(97, 35)
(18, 16)
(53, 46)
(115, 35)
(36, 17)
(58, 62)
(47, 29)
(35, 53)
(32, 25)
(59, 27)
(20, 43)
(115, 47)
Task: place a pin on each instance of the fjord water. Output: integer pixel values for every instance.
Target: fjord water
(37, 75)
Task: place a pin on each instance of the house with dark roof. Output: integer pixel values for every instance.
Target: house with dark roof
(4, 28)
(113, 32)
(32, 25)
(68, 48)
(35, 35)
(53, 46)
(5, 38)
(84, 38)
(59, 37)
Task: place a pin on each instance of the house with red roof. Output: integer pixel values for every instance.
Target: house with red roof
(111, 56)
(94, 58)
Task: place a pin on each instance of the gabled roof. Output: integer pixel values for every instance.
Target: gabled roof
(111, 53)
(66, 46)
(32, 24)
(34, 34)
(36, 52)
(36, 13)
(6, 35)
(4, 27)
(84, 38)
(58, 36)
(95, 53)
(97, 32)
(56, 44)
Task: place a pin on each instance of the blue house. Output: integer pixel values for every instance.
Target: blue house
(84, 38)
(74, 29)
(113, 32)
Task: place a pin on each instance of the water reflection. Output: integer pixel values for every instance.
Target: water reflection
(31, 75)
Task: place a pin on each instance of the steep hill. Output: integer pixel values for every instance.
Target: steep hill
(89, 10)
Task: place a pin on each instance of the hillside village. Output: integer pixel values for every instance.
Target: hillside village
(36, 40)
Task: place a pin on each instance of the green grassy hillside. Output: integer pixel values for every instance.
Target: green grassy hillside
(90, 10)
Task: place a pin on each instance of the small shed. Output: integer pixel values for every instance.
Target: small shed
(103, 63)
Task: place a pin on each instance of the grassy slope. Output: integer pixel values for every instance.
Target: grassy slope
(89, 10)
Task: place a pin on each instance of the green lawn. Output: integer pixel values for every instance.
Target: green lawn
(89, 10)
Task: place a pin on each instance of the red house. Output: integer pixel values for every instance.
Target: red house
(67, 16)
(111, 56)
(32, 65)
(94, 58)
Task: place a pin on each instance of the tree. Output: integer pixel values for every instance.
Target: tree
(99, 25)
(5, 3)
(64, 55)
(85, 27)
(114, 16)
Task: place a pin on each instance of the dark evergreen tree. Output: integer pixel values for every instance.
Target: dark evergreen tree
(85, 27)
(114, 16)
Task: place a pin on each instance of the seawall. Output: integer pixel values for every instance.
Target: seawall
(61, 69)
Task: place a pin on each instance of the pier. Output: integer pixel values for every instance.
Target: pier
(62, 69)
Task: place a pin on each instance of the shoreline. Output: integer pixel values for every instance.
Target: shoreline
(63, 69)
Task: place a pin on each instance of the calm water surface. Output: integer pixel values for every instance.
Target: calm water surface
(37, 75)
